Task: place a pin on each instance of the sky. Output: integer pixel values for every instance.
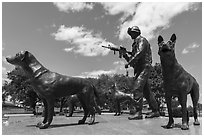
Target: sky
(67, 37)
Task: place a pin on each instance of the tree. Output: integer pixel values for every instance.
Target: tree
(20, 88)
(156, 85)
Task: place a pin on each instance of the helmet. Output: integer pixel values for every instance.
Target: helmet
(133, 29)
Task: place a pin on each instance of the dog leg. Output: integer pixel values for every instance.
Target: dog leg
(171, 120)
(92, 115)
(45, 114)
(98, 110)
(71, 109)
(119, 109)
(84, 105)
(195, 97)
(116, 107)
(183, 100)
(50, 114)
(91, 103)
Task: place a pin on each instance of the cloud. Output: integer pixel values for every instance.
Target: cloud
(148, 16)
(73, 6)
(82, 41)
(151, 16)
(191, 48)
(68, 49)
(114, 8)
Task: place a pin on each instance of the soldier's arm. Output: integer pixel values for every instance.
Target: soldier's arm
(126, 57)
(140, 52)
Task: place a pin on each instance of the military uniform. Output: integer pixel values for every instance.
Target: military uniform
(141, 60)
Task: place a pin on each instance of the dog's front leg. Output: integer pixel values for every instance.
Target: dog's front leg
(45, 113)
(185, 118)
(116, 107)
(119, 110)
(171, 120)
(50, 113)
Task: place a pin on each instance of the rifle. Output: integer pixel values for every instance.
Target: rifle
(118, 49)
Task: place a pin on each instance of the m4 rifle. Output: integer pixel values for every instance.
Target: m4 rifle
(121, 50)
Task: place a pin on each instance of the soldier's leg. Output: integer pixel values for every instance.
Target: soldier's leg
(151, 101)
(138, 93)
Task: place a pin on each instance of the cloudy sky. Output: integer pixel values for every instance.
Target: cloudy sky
(67, 37)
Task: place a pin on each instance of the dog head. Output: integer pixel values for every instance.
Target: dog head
(166, 49)
(18, 59)
(23, 59)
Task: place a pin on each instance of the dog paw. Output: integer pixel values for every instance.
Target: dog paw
(68, 116)
(168, 126)
(184, 126)
(43, 126)
(39, 123)
(91, 122)
(81, 122)
(196, 123)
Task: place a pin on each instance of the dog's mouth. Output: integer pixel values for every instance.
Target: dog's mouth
(165, 50)
(9, 59)
(12, 60)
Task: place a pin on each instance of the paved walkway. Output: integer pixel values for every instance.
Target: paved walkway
(106, 124)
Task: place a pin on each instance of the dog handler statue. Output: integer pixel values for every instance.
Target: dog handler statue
(141, 60)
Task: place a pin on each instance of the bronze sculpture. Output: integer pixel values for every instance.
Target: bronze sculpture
(50, 85)
(73, 100)
(119, 97)
(177, 82)
(141, 60)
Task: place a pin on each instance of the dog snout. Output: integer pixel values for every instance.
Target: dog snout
(8, 59)
(11, 60)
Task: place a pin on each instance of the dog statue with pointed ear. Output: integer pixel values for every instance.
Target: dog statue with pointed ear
(177, 82)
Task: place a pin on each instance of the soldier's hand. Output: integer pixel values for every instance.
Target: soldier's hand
(123, 51)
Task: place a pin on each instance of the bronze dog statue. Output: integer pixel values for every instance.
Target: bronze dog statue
(50, 85)
(177, 82)
(120, 97)
(73, 100)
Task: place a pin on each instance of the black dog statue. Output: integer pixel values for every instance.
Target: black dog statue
(120, 97)
(50, 85)
(73, 100)
(177, 82)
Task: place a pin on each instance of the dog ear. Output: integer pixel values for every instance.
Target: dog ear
(25, 55)
(173, 38)
(160, 39)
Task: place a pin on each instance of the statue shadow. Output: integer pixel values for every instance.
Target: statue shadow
(63, 125)
(71, 124)
(73, 116)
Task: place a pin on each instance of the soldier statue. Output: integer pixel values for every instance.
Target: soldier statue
(141, 60)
